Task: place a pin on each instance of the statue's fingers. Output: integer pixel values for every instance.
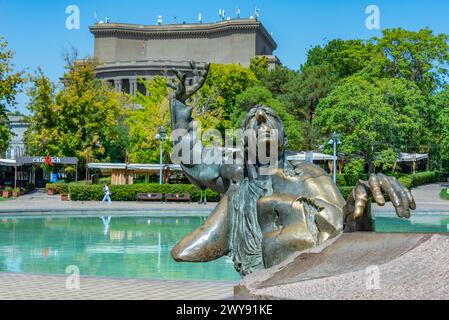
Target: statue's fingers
(195, 88)
(181, 76)
(411, 200)
(172, 85)
(403, 210)
(397, 196)
(388, 188)
(196, 73)
(376, 191)
(205, 70)
(360, 201)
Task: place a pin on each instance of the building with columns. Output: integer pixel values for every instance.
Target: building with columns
(127, 52)
(18, 126)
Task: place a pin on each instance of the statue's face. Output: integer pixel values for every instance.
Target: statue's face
(268, 129)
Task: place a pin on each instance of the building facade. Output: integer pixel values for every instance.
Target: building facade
(18, 126)
(127, 52)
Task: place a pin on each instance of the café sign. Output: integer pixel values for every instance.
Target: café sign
(45, 159)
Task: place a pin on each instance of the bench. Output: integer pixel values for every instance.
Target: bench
(149, 197)
(185, 197)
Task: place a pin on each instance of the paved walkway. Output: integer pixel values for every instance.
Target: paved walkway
(45, 287)
(427, 199)
(40, 203)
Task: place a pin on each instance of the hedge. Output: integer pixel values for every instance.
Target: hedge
(83, 192)
(345, 191)
(421, 178)
(129, 192)
(104, 180)
(444, 195)
(61, 187)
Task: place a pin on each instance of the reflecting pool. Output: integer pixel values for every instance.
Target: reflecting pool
(132, 247)
(420, 222)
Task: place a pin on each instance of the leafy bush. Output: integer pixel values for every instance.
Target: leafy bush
(444, 195)
(354, 170)
(80, 192)
(344, 180)
(421, 178)
(104, 180)
(345, 191)
(60, 187)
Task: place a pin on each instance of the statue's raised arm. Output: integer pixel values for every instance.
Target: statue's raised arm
(189, 151)
(183, 91)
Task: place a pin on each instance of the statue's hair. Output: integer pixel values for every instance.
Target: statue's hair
(269, 111)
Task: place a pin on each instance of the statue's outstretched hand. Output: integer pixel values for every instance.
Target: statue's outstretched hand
(377, 186)
(182, 90)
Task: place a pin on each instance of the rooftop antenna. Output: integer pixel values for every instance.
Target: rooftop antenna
(200, 18)
(256, 13)
(159, 20)
(106, 19)
(95, 17)
(222, 14)
(174, 19)
(238, 13)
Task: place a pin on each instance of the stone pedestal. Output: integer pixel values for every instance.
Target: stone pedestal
(358, 266)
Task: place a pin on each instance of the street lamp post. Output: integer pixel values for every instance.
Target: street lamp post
(161, 136)
(335, 141)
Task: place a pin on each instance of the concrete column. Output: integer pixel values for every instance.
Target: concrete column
(118, 85)
(133, 86)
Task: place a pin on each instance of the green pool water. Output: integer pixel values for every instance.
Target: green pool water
(424, 222)
(137, 247)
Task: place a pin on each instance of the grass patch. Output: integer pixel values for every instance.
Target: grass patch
(444, 195)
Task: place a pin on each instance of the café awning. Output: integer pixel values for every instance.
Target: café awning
(8, 162)
(412, 157)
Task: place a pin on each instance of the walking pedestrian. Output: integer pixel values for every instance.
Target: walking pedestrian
(107, 194)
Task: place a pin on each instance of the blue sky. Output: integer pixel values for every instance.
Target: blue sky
(36, 30)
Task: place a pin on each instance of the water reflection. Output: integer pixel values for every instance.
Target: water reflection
(106, 222)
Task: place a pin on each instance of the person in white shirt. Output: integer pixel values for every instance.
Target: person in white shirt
(107, 194)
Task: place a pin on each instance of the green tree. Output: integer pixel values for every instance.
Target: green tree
(216, 99)
(84, 119)
(346, 57)
(441, 141)
(148, 114)
(372, 116)
(42, 135)
(386, 159)
(353, 171)
(304, 93)
(274, 80)
(420, 57)
(10, 82)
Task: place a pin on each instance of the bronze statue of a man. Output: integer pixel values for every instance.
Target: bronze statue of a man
(262, 219)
